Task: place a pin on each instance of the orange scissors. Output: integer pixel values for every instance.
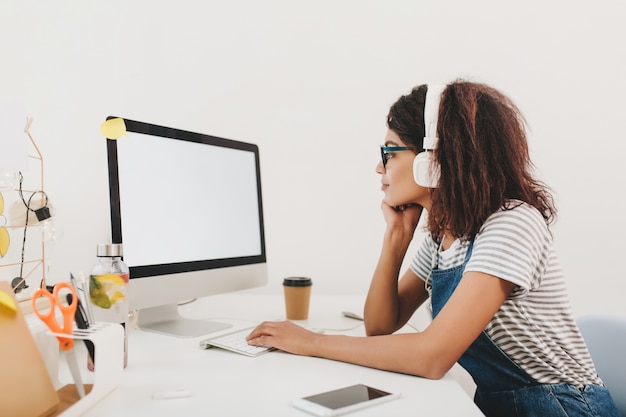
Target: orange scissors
(68, 311)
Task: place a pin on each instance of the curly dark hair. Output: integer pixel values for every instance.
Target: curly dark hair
(482, 154)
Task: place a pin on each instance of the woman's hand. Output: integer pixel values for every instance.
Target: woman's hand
(403, 217)
(286, 336)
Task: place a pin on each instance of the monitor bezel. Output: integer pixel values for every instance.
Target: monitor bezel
(143, 271)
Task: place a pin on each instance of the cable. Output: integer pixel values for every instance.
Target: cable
(19, 283)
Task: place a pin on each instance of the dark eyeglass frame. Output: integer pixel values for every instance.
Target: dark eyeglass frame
(387, 151)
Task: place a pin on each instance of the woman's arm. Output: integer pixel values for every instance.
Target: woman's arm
(390, 303)
(429, 354)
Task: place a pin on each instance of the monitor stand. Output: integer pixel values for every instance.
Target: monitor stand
(166, 320)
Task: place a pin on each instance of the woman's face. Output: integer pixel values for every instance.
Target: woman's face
(397, 176)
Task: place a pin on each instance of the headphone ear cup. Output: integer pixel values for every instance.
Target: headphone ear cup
(422, 170)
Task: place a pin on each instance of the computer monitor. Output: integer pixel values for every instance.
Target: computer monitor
(187, 208)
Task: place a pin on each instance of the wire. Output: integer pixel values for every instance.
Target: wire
(21, 193)
(28, 210)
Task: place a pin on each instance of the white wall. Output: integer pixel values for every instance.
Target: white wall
(311, 83)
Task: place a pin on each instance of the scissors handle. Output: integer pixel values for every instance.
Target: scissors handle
(68, 312)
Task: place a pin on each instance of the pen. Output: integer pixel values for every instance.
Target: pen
(84, 288)
(82, 323)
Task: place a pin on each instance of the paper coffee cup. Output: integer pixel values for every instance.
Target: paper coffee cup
(297, 297)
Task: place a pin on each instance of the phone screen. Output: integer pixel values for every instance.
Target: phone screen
(347, 396)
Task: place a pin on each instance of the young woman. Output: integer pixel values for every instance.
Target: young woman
(489, 268)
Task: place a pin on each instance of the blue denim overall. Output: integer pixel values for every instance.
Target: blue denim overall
(503, 388)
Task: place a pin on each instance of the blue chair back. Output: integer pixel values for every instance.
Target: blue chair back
(605, 336)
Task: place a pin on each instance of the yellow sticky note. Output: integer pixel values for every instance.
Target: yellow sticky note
(113, 128)
(6, 302)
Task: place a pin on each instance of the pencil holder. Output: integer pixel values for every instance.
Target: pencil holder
(107, 338)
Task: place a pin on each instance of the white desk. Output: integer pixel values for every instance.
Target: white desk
(228, 384)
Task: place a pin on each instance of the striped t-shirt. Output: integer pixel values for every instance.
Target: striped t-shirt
(534, 326)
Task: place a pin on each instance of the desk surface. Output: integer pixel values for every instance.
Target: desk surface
(228, 384)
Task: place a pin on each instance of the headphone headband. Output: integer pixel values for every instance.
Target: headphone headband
(431, 115)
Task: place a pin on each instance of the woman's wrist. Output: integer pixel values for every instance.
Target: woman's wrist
(397, 239)
(316, 345)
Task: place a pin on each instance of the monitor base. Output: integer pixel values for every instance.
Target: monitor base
(166, 320)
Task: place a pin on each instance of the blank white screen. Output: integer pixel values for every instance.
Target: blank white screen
(183, 201)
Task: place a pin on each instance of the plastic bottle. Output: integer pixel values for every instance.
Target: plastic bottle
(108, 288)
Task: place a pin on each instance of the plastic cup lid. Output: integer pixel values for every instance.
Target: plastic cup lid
(297, 282)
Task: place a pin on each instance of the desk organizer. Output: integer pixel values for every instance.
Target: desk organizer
(108, 338)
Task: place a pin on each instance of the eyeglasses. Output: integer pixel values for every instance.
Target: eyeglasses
(387, 152)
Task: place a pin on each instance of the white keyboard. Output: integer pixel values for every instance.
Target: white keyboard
(235, 342)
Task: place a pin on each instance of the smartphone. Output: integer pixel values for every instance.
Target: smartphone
(343, 400)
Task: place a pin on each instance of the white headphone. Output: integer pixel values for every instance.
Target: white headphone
(425, 172)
